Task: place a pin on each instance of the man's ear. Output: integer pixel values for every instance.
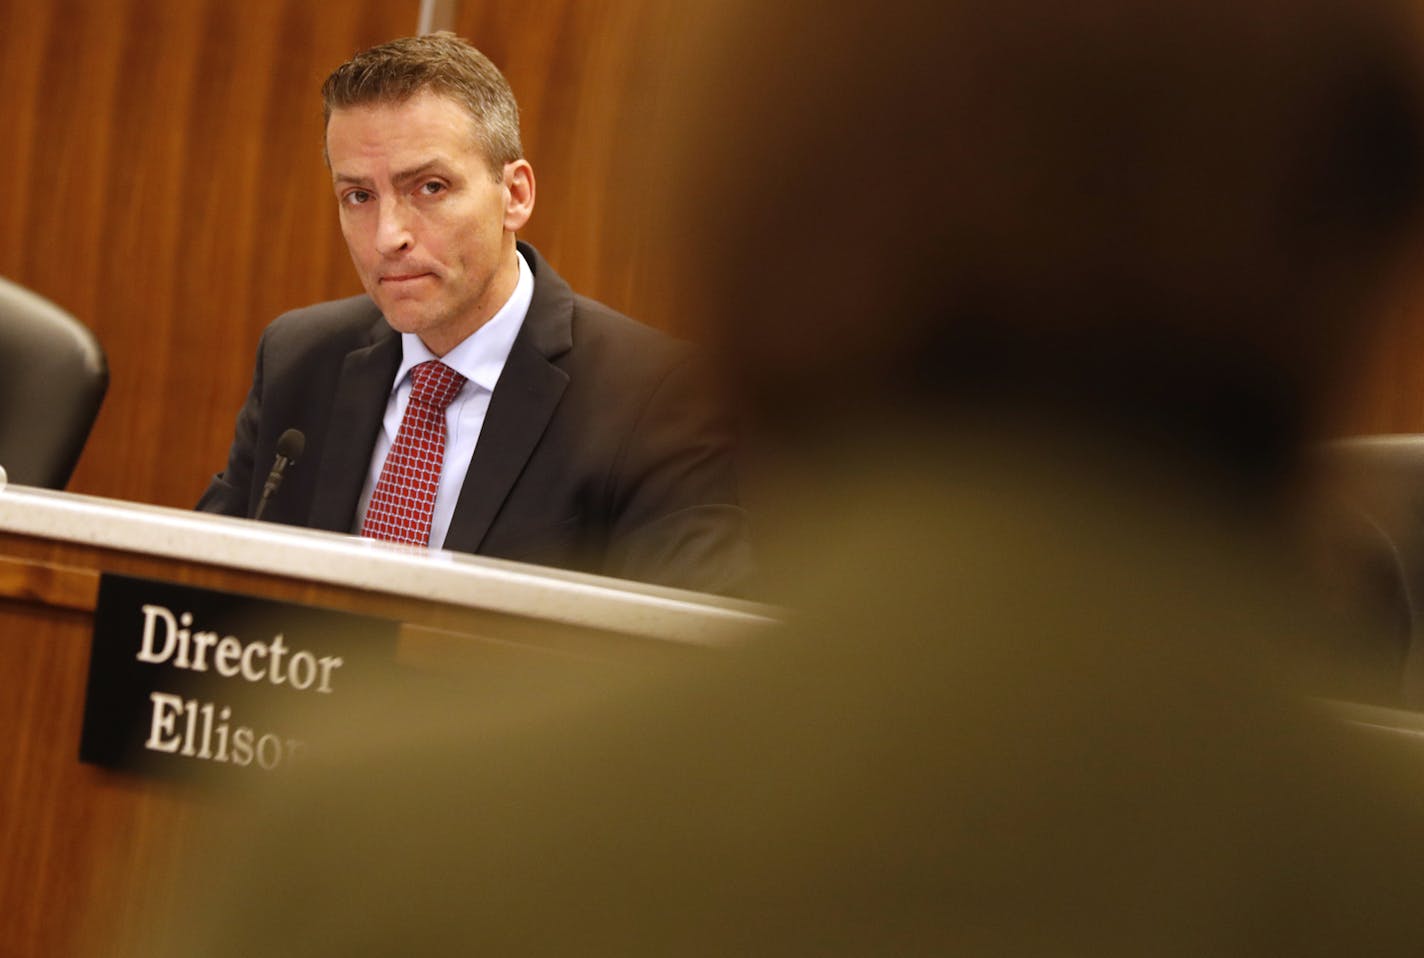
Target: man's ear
(519, 194)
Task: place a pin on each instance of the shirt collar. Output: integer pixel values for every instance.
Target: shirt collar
(480, 356)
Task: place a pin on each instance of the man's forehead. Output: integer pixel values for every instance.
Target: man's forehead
(425, 102)
(427, 124)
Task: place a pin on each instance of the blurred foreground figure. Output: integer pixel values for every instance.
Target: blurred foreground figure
(1032, 305)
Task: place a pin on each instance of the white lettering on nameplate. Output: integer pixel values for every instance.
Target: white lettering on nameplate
(201, 730)
(204, 730)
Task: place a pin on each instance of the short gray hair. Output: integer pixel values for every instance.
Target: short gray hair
(443, 63)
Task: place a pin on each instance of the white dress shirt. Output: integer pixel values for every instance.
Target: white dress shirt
(480, 358)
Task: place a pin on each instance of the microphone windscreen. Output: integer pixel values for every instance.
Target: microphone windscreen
(290, 445)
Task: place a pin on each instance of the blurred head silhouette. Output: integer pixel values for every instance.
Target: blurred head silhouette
(1157, 217)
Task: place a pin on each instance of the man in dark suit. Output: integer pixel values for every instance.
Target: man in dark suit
(576, 437)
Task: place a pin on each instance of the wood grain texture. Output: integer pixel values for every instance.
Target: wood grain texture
(46, 817)
(60, 586)
(167, 187)
(586, 76)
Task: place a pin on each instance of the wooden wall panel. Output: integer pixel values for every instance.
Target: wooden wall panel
(165, 184)
(586, 77)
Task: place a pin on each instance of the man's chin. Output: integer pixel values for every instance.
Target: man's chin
(403, 319)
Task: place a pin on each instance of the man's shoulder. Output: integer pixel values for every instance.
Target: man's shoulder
(610, 346)
(334, 321)
(593, 318)
(569, 326)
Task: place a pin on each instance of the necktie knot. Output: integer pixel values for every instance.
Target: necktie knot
(434, 384)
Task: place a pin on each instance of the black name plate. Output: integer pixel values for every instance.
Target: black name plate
(186, 681)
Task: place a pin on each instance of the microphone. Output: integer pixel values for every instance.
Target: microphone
(289, 449)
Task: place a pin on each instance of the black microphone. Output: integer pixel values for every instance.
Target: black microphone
(289, 449)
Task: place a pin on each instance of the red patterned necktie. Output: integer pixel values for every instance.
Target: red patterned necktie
(404, 497)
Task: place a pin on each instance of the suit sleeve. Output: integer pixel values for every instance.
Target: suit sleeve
(677, 516)
(230, 492)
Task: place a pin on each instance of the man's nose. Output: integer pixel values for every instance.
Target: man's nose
(393, 229)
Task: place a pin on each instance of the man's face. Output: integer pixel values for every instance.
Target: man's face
(429, 228)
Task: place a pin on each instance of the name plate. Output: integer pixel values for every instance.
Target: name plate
(185, 681)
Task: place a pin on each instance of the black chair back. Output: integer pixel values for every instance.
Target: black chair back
(53, 377)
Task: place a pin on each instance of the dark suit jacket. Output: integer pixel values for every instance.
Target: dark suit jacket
(603, 449)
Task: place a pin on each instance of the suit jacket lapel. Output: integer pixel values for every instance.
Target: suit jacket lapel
(524, 400)
(357, 409)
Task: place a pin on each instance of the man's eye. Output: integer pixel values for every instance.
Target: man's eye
(431, 187)
(357, 197)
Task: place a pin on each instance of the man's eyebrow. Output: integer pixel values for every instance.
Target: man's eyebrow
(403, 177)
(346, 179)
(400, 178)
